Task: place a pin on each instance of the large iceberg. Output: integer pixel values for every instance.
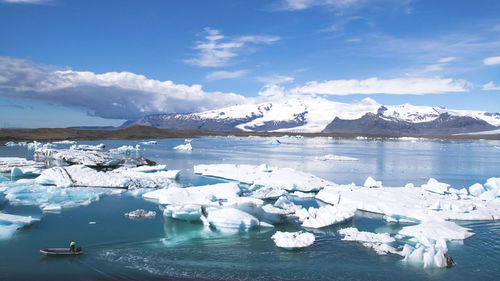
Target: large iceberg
(232, 219)
(200, 195)
(80, 175)
(20, 166)
(293, 240)
(265, 176)
(89, 158)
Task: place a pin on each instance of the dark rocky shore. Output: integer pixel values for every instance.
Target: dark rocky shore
(145, 132)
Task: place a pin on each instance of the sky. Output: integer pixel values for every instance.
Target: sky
(97, 63)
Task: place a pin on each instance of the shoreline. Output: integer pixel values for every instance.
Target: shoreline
(146, 132)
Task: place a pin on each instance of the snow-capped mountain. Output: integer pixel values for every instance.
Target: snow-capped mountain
(313, 115)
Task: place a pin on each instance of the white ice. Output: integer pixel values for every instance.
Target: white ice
(335, 158)
(80, 175)
(187, 212)
(74, 156)
(371, 183)
(325, 215)
(141, 214)
(184, 147)
(284, 178)
(125, 149)
(377, 241)
(88, 147)
(434, 186)
(23, 165)
(230, 218)
(200, 195)
(148, 142)
(293, 240)
(10, 223)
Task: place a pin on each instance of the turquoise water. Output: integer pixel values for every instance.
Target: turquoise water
(118, 248)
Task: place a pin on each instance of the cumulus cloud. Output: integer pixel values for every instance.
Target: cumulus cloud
(119, 95)
(219, 75)
(491, 61)
(397, 86)
(217, 50)
(491, 87)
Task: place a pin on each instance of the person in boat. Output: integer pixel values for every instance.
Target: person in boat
(72, 245)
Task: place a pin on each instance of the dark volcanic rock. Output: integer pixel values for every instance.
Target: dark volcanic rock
(445, 124)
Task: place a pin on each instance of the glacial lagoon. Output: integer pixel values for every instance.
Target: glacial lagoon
(119, 248)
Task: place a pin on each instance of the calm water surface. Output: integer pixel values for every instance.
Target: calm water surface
(118, 248)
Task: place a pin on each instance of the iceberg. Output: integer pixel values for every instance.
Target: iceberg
(199, 195)
(293, 240)
(80, 175)
(140, 214)
(377, 241)
(335, 158)
(274, 142)
(10, 223)
(434, 186)
(436, 230)
(188, 212)
(230, 218)
(65, 142)
(88, 147)
(11, 143)
(371, 183)
(125, 149)
(76, 157)
(280, 178)
(148, 142)
(325, 215)
(185, 147)
(7, 164)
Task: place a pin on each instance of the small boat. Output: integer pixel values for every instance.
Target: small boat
(60, 252)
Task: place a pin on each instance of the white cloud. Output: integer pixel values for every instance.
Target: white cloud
(305, 4)
(217, 50)
(491, 61)
(119, 95)
(397, 86)
(218, 75)
(275, 79)
(491, 87)
(447, 60)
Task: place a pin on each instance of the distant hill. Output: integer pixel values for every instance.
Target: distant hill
(314, 115)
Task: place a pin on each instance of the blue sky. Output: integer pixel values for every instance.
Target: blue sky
(100, 62)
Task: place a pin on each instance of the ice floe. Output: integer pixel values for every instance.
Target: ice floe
(200, 195)
(126, 149)
(88, 147)
(377, 241)
(335, 158)
(325, 215)
(22, 166)
(293, 240)
(187, 212)
(80, 175)
(10, 223)
(185, 147)
(231, 218)
(370, 182)
(270, 177)
(75, 157)
(149, 142)
(141, 214)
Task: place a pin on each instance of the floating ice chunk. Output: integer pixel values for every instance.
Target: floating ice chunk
(437, 187)
(370, 182)
(293, 240)
(184, 147)
(201, 195)
(92, 222)
(335, 158)
(265, 168)
(268, 192)
(493, 185)
(34, 145)
(324, 216)
(149, 169)
(188, 212)
(274, 142)
(88, 147)
(141, 214)
(230, 218)
(65, 142)
(285, 178)
(51, 207)
(10, 223)
(148, 142)
(353, 234)
(284, 203)
(28, 166)
(125, 149)
(11, 143)
(274, 215)
(76, 157)
(376, 241)
(55, 176)
(437, 230)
